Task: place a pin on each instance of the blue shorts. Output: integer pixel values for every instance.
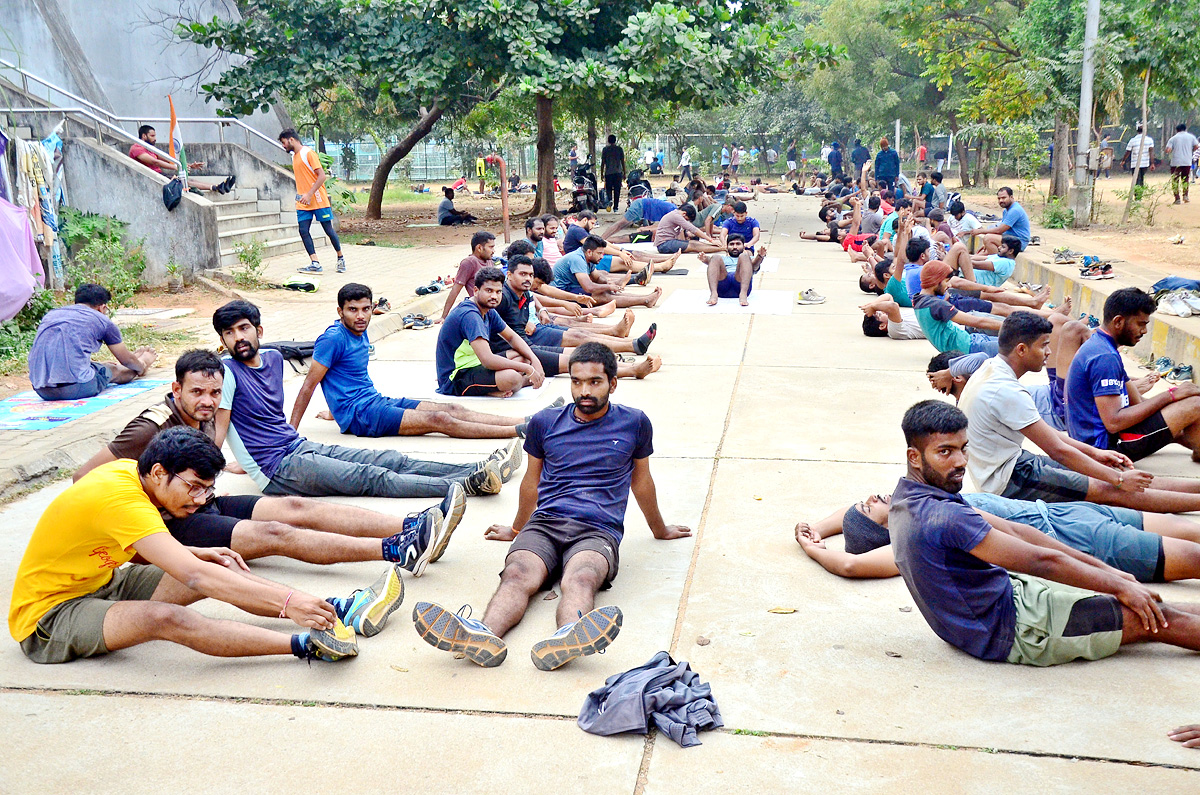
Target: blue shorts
(671, 246)
(982, 343)
(100, 378)
(730, 287)
(1114, 535)
(605, 264)
(547, 336)
(380, 417)
(1043, 398)
(322, 215)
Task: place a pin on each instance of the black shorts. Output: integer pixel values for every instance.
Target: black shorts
(477, 381)
(212, 525)
(1148, 436)
(556, 541)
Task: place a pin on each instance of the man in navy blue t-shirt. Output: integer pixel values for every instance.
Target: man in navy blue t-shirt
(339, 365)
(973, 583)
(742, 224)
(1101, 409)
(583, 461)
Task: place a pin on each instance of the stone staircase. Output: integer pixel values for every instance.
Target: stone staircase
(243, 217)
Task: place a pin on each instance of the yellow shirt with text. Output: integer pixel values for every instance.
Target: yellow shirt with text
(85, 533)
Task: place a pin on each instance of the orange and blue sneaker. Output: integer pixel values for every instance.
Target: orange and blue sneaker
(591, 634)
(459, 634)
(367, 610)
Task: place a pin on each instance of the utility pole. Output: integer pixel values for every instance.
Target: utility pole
(1082, 190)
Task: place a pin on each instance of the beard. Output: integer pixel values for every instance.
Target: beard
(951, 482)
(590, 405)
(244, 351)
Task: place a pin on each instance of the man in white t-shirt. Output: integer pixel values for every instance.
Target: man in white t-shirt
(962, 221)
(1181, 147)
(1146, 159)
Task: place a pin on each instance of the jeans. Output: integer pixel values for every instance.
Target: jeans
(78, 391)
(322, 470)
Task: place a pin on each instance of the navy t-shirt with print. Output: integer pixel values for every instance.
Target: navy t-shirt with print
(587, 467)
(966, 601)
(574, 238)
(462, 326)
(1096, 370)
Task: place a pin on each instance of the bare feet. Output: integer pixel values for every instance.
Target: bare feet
(654, 296)
(626, 323)
(744, 301)
(604, 310)
(324, 414)
(651, 364)
(666, 266)
(1042, 296)
(147, 357)
(1143, 384)
(712, 300)
(1065, 306)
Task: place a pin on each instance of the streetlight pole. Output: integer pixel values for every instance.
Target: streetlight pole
(1082, 190)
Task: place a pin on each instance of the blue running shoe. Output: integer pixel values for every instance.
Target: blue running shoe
(327, 645)
(412, 547)
(452, 508)
(590, 634)
(457, 633)
(367, 610)
(311, 267)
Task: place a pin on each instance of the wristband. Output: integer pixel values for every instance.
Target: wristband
(1171, 392)
(283, 610)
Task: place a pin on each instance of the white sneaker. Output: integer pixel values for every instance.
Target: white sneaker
(810, 296)
(1180, 307)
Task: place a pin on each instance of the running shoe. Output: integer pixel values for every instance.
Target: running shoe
(1181, 373)
(485, 480)
(366, 611)
(453, 507)
(459, 634)
(327, 645)
(312, 267)
(1063, 258)
(1164, 365)
(810, 296)
(412, 547)
(1097, 271)
(509, 459)
(590, 634)
(341, 264)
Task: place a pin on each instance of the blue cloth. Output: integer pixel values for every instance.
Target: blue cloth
(746, 230)
(966, 601)
(574, 238)
(887, 164)
(1017, 221)
(1175, 283)
(82, 391)
(567, 266)
(982, 343)
(859, 156)
(587, 466)
(322, 215)
(347, 386)
(912, 280)
(65, 341)
(462, 326)
(1096, 370)
(258, 432)
(380, 417)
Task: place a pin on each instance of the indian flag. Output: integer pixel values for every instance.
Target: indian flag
(175, 145)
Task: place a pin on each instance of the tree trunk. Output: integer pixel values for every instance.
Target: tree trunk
(961, 151)
(394, 155)
(1060, 168)
(544, 201)
(1136, 157)
(984, 165)
(591, 135)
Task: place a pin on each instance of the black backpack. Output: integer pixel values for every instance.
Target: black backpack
(294, 353)
(172, 193)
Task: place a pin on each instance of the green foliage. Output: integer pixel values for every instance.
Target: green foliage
(250, 257)
(1057, 216)
(340, 197)
(99, 254)
(16, 335)
(1145, 201)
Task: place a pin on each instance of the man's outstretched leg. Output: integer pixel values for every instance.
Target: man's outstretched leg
(583, 630)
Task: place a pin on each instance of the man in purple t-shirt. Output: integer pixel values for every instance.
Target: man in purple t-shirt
(584, 459)
(60, 361)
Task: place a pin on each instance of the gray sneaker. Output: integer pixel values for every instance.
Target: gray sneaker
(485, 480)
(509, 459)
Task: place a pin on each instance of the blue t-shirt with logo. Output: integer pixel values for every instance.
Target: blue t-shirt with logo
(465, 324)
(746, 230)
(587, 467)
(1017, 221)
(1003, 267)
(968, 602)
(1096, 370)
(347, 386)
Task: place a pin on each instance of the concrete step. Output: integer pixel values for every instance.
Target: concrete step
(234, 207)
(269, 206)
(247, 194)
(273, 248)
(265, 232)
(252, 220)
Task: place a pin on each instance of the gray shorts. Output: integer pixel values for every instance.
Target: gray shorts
(75, 628)
(557, 540)
(1036, 477)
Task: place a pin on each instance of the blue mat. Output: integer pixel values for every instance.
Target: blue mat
(28, 412)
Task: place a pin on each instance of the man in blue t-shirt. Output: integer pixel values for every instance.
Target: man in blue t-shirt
(579, 272)
(1014, 221)
(973, 584)
(339, 365)
(1101, 409)
(742, 224)
(643, 214)
(281, 461)
(60, 360)
(583, 461)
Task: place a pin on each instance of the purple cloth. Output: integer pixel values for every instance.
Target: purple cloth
(20, 265)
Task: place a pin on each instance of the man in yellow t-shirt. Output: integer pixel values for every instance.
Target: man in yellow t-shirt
(312, 200)
(77, 594)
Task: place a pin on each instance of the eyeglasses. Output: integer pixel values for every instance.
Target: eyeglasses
(196, 489)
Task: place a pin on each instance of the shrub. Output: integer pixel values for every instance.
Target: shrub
(98, 253)
(1057, 216)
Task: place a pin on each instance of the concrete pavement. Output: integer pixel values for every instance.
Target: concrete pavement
(759, 422)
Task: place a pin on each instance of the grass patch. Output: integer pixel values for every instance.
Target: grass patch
(750, 732)
(166, 343)
(400, 193)
(357, 238)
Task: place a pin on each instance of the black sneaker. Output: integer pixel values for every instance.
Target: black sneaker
(485, 480)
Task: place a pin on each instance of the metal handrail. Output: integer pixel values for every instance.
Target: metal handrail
(27, 75)
(99, 122)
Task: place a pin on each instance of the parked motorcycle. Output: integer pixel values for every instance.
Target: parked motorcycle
(584, 196)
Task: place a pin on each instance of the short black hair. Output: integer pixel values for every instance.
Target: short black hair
(228, 315)
(872, 327)
(353, 291)
(1005, 189)
(928, 417)
(586, 214)
(740, 207)
(520, 259)
(448, 192)
(1180, 127)
(593, 242)
(689, 211)
(92, 295)
(867, 286)
(735, 236)
(957, 207)
(288, 132)
(915, 248)
(481, 237)
(489, 274)
(529, 222)
(180, 449)
(612, 139)
(902, 203)
(873, 203)
(823, 213)
(1022, 327)
(198, 360)
(595, 353)
(1128, 302)
(883, 268)
(519, 246)
(936, 176)
(145, 128)
(548, 217)
(941, 361)
(935, 215)
(1014, 243)
(542, 270)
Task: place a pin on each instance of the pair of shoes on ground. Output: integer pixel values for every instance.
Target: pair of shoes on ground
(382, 306)
(435, 286)
(225, 185)
(461, 634)
(417, 321)
(315, 267)
(364, 612)
(495, 470)
(1095, 268)
(1181, 303)
(1167, 368)
(809, 296)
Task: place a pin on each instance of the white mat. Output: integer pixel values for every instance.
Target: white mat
(762, 302)
(769, 265)
(645, 248)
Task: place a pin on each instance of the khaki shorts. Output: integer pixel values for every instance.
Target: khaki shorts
(75, 628)
(1057, 623)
